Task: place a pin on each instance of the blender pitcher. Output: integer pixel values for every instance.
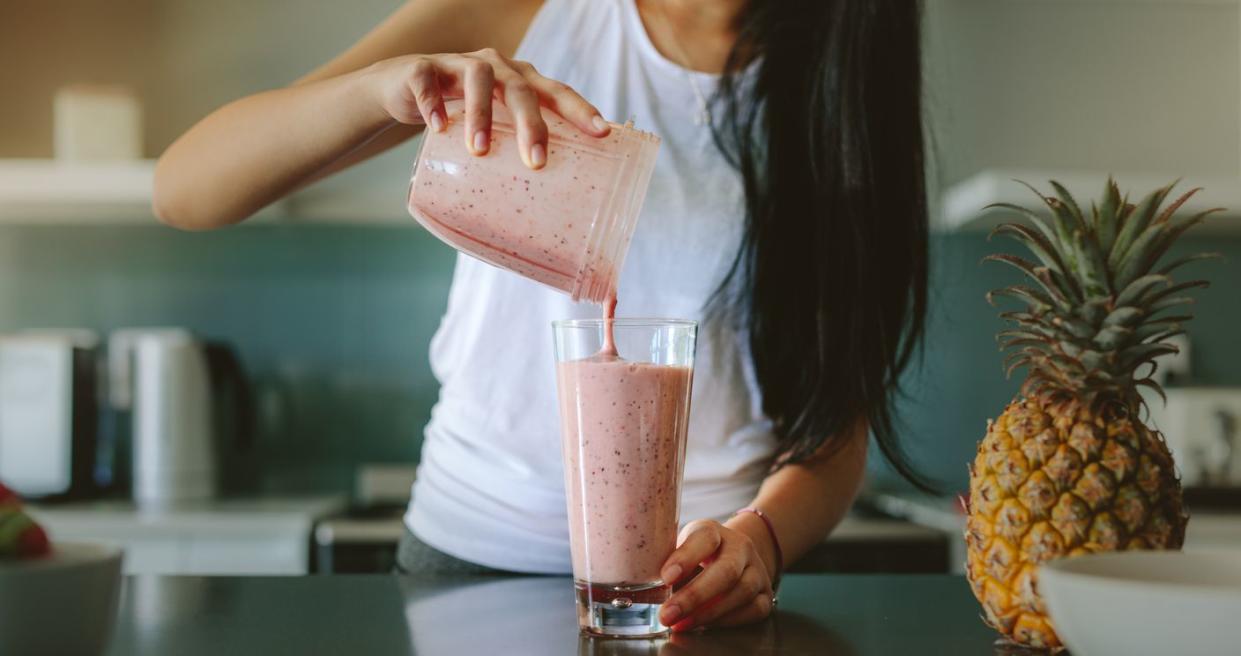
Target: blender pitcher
(567, 225)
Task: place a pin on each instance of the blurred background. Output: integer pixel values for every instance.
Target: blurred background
(328, 299)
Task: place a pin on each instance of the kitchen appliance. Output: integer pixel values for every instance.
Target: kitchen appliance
(185, 397)
(1202, 426)
(48, 412)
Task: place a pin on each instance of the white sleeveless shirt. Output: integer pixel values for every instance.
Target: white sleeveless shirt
(490, 486)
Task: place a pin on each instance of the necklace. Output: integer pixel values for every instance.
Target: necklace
(703, 116)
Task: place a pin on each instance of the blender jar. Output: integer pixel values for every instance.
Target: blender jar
(567, 225)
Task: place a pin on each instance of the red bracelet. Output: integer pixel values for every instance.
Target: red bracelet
(775, 542)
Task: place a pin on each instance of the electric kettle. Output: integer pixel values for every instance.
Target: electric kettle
(184, 397)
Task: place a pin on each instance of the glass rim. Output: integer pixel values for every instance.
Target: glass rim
(628, 322)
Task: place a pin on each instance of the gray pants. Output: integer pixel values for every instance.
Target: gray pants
(417, 558)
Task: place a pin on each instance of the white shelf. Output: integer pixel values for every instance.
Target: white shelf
(963, 203)
(52, 192)
(45, 191)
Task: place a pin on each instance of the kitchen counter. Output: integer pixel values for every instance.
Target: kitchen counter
(1210, 528)
(261, 535)
(351, 544)
(850, 529)
(842, 615)
(240, 516)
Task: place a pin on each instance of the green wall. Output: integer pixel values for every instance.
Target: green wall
(960, 383)
(333, 324)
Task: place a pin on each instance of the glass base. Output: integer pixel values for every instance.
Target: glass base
(621, 610)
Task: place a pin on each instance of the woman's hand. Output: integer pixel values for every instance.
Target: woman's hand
(412, 90)
(734, 586)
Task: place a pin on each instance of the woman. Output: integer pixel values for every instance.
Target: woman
(786, 212)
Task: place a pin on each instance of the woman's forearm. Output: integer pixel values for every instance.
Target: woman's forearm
(805, 501)
(252, 151)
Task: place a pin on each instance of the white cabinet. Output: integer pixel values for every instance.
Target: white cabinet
(271, 554)
(151, 555)
(964, 206)
(236, 537)
(1075, 90)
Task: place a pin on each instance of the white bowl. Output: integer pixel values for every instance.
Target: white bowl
(64, 603)
(1146, 602)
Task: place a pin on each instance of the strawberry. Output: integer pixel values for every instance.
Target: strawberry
(20, 536)
(33, 543)
(8, 497)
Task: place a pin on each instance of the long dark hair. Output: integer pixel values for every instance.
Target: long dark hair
(831, 277)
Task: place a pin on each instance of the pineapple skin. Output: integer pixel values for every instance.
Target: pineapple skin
(1055, 477)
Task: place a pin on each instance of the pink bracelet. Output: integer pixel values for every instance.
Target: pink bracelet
(775, 542)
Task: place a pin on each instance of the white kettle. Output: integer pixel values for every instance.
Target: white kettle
(172, 384)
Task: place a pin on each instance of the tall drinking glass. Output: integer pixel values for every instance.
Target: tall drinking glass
(623, 416)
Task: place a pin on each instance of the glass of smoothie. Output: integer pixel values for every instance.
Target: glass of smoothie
(624, 389)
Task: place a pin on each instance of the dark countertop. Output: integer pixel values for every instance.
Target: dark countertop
(378, 614)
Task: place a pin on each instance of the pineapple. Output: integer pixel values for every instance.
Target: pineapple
(1070, 468)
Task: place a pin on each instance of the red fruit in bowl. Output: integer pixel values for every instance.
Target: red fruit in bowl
(20, 536)
(33, 542)
(8, 497)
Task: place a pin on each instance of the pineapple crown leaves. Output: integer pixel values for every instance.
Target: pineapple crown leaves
(1097, 308)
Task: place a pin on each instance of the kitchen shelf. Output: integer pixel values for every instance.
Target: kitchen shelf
(45, 191)
(963, 204)
(50, 192)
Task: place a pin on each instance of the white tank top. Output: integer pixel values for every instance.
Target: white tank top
(490, 487)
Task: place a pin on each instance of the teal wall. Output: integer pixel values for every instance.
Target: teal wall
(960, 383)
(333, 324)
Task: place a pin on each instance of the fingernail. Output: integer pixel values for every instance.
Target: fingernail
(480, 142)
(538, 155)
(669, 614)
(437, 122)
(600, 124)
(671, 574)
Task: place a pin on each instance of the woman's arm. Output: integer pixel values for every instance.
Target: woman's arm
(804, 502)
(252, 151)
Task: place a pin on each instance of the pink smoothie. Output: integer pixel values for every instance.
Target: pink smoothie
(623, 429)
(535, 223)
